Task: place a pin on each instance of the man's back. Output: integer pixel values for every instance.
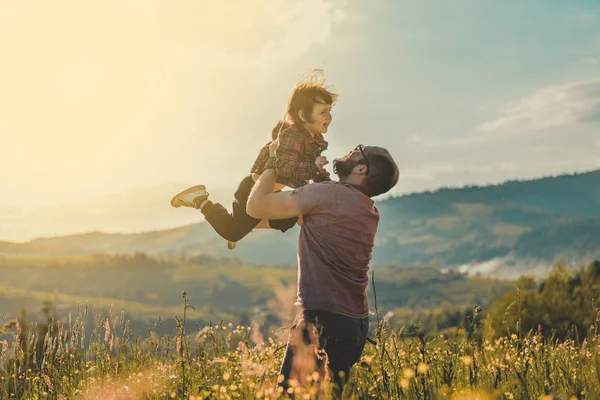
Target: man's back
(335, 247)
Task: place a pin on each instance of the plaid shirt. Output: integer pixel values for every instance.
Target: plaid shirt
(296, 154)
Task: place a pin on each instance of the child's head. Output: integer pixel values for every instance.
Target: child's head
(310, 103)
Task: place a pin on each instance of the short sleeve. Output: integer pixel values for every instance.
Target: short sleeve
(315, 197)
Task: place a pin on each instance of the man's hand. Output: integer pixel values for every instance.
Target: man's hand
(321, 162)
(273, 147)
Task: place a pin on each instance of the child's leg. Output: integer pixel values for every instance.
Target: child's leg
(232, 227)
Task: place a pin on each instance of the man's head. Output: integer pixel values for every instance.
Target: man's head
(371, 167)
(310, 103)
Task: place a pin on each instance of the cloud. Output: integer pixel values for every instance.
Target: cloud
(416, 178)
(304, 24)
(547, 148)
(589, 61)
(261, 36)
(582, 18)
(552, 106)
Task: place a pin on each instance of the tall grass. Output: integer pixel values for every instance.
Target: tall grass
(222, 361)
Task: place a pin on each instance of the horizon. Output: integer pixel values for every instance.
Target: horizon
(190, 213)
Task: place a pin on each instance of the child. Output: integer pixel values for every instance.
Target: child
(298, 160)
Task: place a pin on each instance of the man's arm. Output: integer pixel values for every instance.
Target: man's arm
(265, 204)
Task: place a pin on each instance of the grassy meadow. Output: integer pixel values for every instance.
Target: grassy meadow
(61, 360)
(427, 343)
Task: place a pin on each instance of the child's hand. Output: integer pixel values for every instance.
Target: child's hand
(321, 162)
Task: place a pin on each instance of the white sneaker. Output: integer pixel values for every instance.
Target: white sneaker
(192, 197)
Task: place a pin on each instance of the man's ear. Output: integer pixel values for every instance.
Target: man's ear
(361, 169)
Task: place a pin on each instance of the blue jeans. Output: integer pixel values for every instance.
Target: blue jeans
(342, 337)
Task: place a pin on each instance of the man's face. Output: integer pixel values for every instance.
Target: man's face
(319, 119)
(343, 166)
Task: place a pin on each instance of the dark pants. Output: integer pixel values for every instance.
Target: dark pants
(340, 336)
(234, 226)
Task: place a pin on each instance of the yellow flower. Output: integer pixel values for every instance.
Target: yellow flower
(408, 373)
(423, 368)
(293, 382)
(404, 383)
(467, 360)
(368, 359)
(226, 376)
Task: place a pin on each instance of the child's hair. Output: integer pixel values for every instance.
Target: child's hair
(311, 89)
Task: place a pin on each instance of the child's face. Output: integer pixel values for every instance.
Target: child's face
(319, 119)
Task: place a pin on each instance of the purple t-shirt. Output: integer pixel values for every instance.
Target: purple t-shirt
(335, 247)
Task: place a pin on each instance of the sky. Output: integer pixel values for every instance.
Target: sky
(99, 98)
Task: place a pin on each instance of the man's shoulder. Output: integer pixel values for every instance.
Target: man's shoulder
(325, 188)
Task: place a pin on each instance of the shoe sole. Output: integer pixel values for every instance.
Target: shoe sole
(175, 202)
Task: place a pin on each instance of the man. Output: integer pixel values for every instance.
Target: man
(339, 223)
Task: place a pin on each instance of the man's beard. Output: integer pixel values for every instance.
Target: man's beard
(343, 167)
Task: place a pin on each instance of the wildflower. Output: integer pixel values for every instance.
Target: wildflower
(226, 376)
(368, 359)
(423, 368)
(467, 360)
(408, 373)
(404, 383)
(48, 383)
(106, 330)
(293, 382)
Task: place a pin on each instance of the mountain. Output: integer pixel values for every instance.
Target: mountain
(137, 210)
(542, 220)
